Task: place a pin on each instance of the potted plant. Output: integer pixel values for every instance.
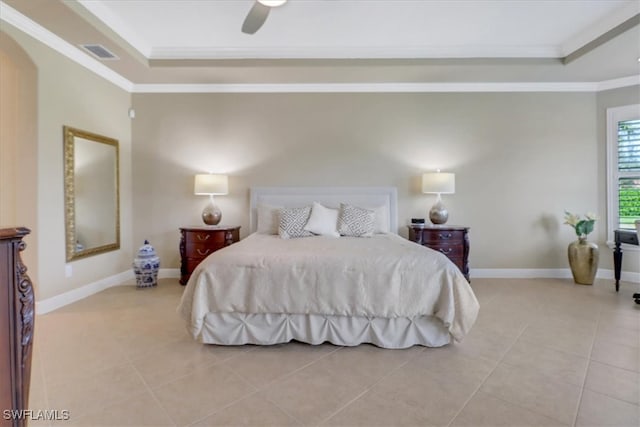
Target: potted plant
(583, 255)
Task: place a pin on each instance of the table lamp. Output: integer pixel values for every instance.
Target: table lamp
(438, 183)
(210, 185)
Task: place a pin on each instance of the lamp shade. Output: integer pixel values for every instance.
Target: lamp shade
(207, 184)
(439, 183)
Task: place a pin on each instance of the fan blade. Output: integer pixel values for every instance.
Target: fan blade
(255, 18)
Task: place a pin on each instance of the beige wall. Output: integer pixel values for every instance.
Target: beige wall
(520, 160)
(68, 94)
(18, 145)
(607, 99)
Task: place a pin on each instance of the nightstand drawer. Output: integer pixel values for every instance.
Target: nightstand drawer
(197, 243)
(204, 237)
(202, 250)
(450, 250)
(441, 236)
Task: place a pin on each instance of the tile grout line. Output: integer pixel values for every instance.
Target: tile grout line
(367, 389)
(221, 366)
(552, 348)
(259, 389)
(617, 366)
(117, 400)
(343, 407)
(607, 394)
(153, 395)
(97, 371)
(94, 372)
(235, 374)
(290, 374)
(488, 375)
(42, 378)
(166, 382)
(215, 362)
(222, 408)
(586, 374)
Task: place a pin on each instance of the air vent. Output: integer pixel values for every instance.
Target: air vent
(99, 51)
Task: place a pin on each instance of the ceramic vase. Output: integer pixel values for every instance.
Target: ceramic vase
(145, 266)
(583, 259)
(438, 214)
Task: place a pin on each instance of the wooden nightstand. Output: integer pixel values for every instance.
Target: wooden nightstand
(197, 242)
(451, 240)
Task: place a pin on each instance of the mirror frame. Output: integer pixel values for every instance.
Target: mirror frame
(70, 134)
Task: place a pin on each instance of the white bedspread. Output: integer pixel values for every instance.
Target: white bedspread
(382, 276)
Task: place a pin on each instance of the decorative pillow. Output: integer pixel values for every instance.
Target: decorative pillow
(292, 222)
(268, 219)
(381, 223)
(323, 221)
(355, 222)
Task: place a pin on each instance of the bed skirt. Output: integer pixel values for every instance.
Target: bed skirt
(267, 329)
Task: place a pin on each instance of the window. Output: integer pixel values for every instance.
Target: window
(623, 164)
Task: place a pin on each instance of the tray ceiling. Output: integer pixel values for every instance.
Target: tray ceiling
(352, 41)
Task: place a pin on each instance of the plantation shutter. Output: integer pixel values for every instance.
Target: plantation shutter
(628, 173)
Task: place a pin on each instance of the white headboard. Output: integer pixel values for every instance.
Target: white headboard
(292, 197)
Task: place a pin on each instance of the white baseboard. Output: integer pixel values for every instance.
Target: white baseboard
(169, 273)
(626, 276)
(547, 273)
(520, 273)
(125, 278)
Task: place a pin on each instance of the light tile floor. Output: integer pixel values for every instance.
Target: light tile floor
(544, 352)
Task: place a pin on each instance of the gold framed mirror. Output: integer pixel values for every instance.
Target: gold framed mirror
(91, 192)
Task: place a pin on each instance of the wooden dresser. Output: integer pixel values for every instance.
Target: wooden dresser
(451, 240)
(16, 325)
(198, 242)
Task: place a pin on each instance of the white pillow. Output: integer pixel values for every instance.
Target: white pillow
(268, 219)
(355, 222)
(381, 220)
(292, 222)
(323, 221)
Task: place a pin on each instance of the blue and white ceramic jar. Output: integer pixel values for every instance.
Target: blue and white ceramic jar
(146, 266)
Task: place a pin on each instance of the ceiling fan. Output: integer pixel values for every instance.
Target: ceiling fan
(258, 14)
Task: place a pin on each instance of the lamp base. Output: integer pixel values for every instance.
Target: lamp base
(211, 215)
(438, 213)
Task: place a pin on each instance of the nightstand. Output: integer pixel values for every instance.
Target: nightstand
(198, 242)
(451, 240)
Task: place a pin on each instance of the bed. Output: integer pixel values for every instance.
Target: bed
(381, 289)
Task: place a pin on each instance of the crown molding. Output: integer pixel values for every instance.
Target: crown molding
(364, 87)
(387, 87)
(31, 28)
(26, 25)
(618, 83)
(351, 52)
